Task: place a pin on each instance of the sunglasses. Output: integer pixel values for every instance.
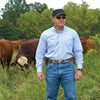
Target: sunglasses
(61, 17)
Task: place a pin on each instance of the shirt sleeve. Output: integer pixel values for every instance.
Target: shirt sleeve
(78, 52)
(40, 54)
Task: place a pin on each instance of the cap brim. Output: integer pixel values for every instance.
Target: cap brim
(60, 14)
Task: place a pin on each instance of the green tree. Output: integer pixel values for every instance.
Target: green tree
(92, 22)
(29, 25)
(9, 31)
(46, 19)
(71, 5)
(38, 7)
(72, 16)
(13, 9)
(81, 18)
(84, 20)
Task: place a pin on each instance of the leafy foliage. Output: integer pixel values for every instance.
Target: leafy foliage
(32, 19)
(46, 19)
(38, 7)
(8, 30)
(13, 9)
(28, 24)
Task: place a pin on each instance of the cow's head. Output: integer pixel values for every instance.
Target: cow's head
(23, 62)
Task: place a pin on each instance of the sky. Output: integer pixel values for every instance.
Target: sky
(58, 3)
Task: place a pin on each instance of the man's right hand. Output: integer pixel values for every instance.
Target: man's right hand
(40, 76)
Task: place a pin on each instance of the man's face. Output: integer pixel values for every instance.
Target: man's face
(59, 21)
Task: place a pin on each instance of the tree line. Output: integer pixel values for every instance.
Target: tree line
(21, 20)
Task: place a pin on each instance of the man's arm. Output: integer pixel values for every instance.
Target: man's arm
(78, 52)
(40, 54)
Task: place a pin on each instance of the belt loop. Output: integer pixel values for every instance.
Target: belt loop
(66, 61)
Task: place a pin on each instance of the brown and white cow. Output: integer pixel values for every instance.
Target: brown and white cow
(26, 53)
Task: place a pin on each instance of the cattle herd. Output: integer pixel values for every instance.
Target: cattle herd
(26, 51)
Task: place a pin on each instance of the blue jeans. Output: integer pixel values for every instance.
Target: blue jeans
(63, 74)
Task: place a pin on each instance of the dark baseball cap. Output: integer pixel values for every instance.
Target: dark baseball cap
(58, 12)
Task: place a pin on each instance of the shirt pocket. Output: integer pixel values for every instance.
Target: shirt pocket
(51, 43)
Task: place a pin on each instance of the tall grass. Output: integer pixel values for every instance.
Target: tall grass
(20, 85)
(88, 88)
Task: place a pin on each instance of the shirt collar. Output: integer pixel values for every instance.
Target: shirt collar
(57, 31)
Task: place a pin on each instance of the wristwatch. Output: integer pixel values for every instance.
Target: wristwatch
(80, 69)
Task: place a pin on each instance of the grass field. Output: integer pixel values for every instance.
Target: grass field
(20, 85)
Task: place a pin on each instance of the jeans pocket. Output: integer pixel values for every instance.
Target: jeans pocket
(49, 64)
(70, 65)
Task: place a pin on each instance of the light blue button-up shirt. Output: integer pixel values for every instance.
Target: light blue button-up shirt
(59, 46)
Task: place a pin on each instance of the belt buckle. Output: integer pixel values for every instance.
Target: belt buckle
(53, 61)
(59, 61)
(67, 60)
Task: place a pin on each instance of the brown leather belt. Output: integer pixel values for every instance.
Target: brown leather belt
(60, 62)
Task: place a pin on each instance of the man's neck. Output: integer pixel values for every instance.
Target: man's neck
(59, 29)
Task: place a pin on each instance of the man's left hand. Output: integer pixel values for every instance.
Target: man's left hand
(78, 75)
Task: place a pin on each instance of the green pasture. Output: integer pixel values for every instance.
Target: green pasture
(20, 85)
(24, 85)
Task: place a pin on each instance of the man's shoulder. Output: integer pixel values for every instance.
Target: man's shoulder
(47, 31)
(69, 29)
(45, 34)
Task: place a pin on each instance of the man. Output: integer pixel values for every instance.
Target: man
(60, 44)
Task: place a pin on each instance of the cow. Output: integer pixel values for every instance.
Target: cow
(6, 52)
(87, 44)
(16, 43)
(26, 53)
